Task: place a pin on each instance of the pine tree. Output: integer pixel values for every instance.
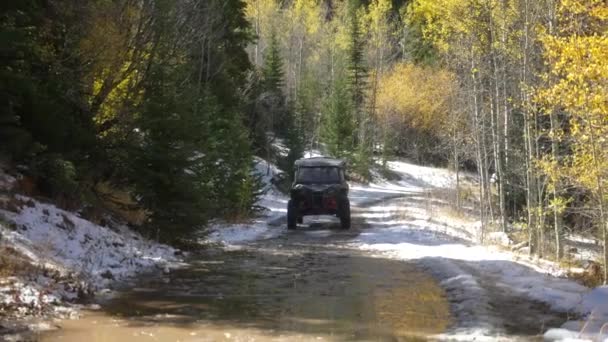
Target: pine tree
(338, 124)
(273, 73)
(358, 87)
(165, 182)
(356, 64)
(294, 140)
(284, 117)
(272, 83)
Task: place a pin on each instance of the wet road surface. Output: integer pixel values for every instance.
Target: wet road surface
(308, 285)
(303, 285)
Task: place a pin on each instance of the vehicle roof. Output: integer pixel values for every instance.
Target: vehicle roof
(320, 161)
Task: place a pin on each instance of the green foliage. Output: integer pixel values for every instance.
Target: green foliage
(58, 177)
(358, 87)
(282, 117)
(273, 74)
(357, 70)
(193, 160)
(338, 127)
(421, 50)
(251, 191)
(295, 141)
(272, 89)
(140, 96)
(163, 172)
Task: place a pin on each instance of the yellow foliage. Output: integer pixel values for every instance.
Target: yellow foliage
(577, 56)
(113, 59)
(417, 96)
(376, 18)
(440, 20)
(463, 26)
(263, 15)
(308, 13)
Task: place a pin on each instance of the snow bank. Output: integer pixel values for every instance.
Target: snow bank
(269, 172)
(595, 325)
(422, 176)
(427, 247)
(59, 257)
(407, 225)
(236, 234)
(98, 253)
(499, 238)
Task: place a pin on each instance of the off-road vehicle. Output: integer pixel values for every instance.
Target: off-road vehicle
(319, 188)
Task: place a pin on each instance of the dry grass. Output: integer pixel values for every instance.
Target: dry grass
(453, 213)
(238, 218)
(13, 263)
(590, 278)
(12, 204)
(116, 202)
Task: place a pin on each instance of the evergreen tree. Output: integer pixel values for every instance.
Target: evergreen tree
(273, 66)
(284, 118)
(356, 63)
(273, 81)
(164, 163)
(358, 87)
(42, 122)
(338, 125)
(294, 139)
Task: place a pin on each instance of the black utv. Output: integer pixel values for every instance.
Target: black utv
(319, 188)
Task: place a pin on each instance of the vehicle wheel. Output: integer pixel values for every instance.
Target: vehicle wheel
(300, 219)
(292, 215)
(345, 215)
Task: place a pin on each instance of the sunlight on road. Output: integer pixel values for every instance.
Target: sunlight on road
(295, 289)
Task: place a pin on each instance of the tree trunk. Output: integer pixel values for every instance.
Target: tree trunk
(600, 193)
(496, 140)
(557, 219)
(478, 133)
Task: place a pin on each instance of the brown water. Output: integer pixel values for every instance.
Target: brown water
(301, 287)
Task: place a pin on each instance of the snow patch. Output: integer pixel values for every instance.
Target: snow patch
(406, 226)
(313, 154)
(268, 225)
(66, 257)
(595, 325)
(7, 182)
(98, 253)
(499, 238)
(269, 172)
(422, 176)
(241, 233)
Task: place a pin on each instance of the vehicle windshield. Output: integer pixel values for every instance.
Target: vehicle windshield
(318, 175)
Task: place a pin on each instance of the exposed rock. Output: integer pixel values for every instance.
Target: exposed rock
(108, 275)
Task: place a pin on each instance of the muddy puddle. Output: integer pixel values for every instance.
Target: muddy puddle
(295, 287)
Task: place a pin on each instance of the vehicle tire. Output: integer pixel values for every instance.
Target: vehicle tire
(292, 215)
(345, 214)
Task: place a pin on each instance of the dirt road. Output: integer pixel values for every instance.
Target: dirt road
(301, 286)
(315, 284)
